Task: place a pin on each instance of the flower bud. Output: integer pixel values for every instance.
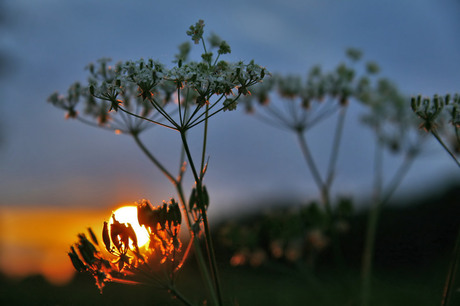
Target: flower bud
(106, 237)
(131, 234)
(93, 237)
(76, 262)
(447, 99)
(192, 199)
(413, 104)
(174, 214)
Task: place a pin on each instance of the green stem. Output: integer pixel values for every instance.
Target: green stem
(435, 134)
(374, 212)
(205, 137)
(153, 159)
(380, 199)
(336, 146)
(162, 112)
(399, 175)
(208, 239)
(314, 170)
(330, 178)
(180, 192)
(147, 119)
(196, 246)
(191, 123)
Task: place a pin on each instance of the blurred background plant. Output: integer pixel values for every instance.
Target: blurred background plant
(293, 236)
(296, 105)
(395, 131)
(289, 103)
(440, 116)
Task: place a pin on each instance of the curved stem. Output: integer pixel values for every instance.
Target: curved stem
(435, 134)
(153, 159)
(205, 138)
(398, 177)
(309, 159)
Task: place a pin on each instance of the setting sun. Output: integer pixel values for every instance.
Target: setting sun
(128, 214)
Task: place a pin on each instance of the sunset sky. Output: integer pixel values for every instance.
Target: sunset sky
(66, 172)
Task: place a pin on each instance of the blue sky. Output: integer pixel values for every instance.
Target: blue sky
(47, 160)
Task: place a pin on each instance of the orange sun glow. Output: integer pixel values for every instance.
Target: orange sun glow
(128, 214)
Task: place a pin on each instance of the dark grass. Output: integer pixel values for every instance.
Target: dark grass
(268, 285)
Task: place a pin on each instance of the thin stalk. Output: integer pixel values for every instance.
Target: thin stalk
(194, 123)
(330, 178)
(435, 134)
(195, 111)
(153, 159)
(208, 239)
(196, 245)
(212, 257)
(380, 199)
(320, 117)
(314, 170)
(336, 147)
(179, 108)
(191, 123)
(172, 289)
(398, 177)
(372, 226)
(204, 45)
(93, 124)
(162, 112)
(205, 137)
(271, 108)
(147, 119)
(270, 121)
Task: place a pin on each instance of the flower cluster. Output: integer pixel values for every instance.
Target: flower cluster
(124, 261)
(305, 102)
(89, 258)
(163, 224)
(120, 239)
(440, 115)
(438, 110)
(389, 117)
(150, 92)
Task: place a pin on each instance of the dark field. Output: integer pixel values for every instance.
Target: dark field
(413, 252)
